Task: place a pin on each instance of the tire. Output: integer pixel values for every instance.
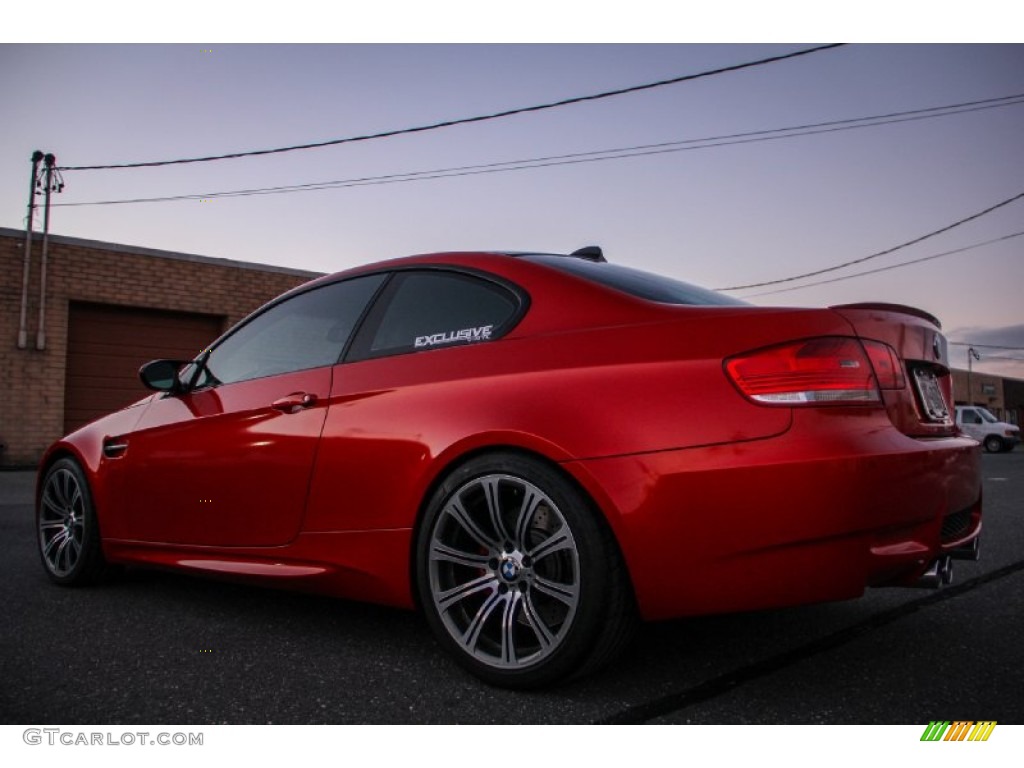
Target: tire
(518, 576)
(66, 527)
(993, 444)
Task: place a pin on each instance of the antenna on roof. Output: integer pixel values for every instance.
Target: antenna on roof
(590, 253)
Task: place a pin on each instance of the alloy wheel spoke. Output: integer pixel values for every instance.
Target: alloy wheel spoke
(62, 552)
(471, 636)
(64, 479)
(446, 553)
(543, 634)
(558, 541)
(565, 593)
(449, 597)
(491, 494)
(458, 512)
(508, 625)
(53, 491)
(70, 554)
(531, 500)
(51, 504)
(59, 537)
(76, 498)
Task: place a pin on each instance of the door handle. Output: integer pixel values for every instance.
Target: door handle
(294, 402)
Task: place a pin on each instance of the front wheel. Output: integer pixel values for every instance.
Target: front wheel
(67, 531)
(993, 444)
(518, 577)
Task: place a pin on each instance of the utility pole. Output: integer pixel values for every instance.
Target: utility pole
(23, 325)
(972, 355)
(48, 187)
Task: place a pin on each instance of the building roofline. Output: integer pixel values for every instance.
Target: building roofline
(976, 372)
(141, 251)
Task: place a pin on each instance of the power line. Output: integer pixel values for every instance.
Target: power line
(466, 120)
(886, 252)
(619, 153)
(986, 346)
(885, 269)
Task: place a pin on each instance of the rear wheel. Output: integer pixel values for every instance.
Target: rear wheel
(993, 444)
(518, 578)
(67, 531)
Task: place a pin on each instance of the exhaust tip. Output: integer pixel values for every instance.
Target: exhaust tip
(946, 570)
(939, 573)
(969, 551)
(931, 578)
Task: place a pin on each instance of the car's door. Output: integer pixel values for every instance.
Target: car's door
(229, 463)
(391, 402)
(971, 423)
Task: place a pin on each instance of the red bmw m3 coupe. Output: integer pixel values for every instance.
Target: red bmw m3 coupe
(535, 451)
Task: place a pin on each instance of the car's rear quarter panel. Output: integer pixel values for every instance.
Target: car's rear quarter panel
(816, 514)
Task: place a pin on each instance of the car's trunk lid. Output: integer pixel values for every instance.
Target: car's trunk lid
(924, 406)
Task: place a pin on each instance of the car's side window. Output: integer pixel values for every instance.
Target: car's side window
(309, 330)
(971, 417)
(436, 309)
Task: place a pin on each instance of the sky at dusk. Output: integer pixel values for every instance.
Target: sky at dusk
(718, 216)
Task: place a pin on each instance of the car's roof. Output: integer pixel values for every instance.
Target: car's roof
(506, 264)
(450, 258)
(585, 270)
(559, 298)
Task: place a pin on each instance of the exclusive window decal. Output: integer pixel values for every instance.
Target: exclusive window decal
(482, 333)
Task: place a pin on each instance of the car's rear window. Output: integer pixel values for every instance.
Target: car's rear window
(635, 282)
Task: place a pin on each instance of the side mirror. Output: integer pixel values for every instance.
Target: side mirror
(162, 375)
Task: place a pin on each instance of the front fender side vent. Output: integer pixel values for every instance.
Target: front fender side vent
(114, 448)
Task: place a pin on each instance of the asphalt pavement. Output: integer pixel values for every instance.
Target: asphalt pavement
(160, 648)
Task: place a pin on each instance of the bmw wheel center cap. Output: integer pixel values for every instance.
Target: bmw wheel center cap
(509, 569)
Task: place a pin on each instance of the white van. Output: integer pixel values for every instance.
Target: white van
(994, 434)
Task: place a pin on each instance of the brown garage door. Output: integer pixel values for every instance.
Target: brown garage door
(106, 346)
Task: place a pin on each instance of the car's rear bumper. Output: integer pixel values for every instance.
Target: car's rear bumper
(840, 502)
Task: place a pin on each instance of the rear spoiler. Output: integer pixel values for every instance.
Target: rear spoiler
(893, 308)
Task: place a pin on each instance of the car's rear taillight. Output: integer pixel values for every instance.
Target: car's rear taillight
(829, 370)
(886, 364)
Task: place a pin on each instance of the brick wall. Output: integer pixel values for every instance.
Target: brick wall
(32, 381)
(986, 390)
